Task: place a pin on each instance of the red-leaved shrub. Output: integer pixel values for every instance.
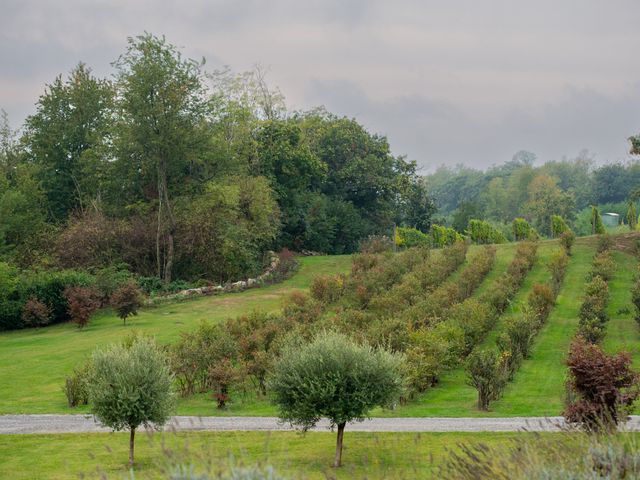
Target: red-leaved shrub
(82, 302)
(605, 386)
(35, 313)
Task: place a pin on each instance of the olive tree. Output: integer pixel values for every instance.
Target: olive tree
(131, 385)
(335, 378)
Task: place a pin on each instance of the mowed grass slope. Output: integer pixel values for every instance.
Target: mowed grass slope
(34, 362)
(366, 455)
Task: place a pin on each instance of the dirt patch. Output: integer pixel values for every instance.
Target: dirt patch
(627, 242)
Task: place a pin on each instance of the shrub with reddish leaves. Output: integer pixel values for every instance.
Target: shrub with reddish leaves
(82, 302)
(605, 386)
(126, 301)
(35, 313)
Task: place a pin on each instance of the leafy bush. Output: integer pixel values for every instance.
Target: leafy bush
(521, 229)
(499, 294)
(408, 237)
(567, 239)
(222, 375)
(442, 236)
(558, 226)
(593, 314)
(605, 242)
(597, 227)
(76, 387)
(540, 301)
(605, 385)
(326, 288)
(301, 308)
(47, 287)
(192, 357)
(126, 301)
(557, 267)
(517, 339)
(35, 313)
(485, 373)
(109, 279)
(603, 266)
(82, 303)
(482, 232)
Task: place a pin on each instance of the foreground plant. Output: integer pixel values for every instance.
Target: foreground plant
(131, 385)
(605, 385)
(333, 377)
(567, 455)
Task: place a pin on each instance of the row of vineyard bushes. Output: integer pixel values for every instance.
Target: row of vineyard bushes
(593, 310)
(237, 355)
(489, 370)
(438, 237)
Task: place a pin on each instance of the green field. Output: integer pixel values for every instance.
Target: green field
(366, 455)
(35, 362)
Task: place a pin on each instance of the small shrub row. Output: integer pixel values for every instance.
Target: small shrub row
(490, 370)
(522, 230)
(408, 237)
(593, 310)
(403, 277)
(433, 307)
(447, 343)
(482, 232)
(441, 236)
(567, 239)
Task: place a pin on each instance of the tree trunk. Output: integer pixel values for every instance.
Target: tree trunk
(165, 214)
(131, 444)
(338, 460)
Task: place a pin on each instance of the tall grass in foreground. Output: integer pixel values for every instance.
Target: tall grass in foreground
(570, 455)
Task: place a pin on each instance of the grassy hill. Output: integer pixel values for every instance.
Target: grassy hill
(35, 362)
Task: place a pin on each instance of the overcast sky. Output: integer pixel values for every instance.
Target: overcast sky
(449, 81)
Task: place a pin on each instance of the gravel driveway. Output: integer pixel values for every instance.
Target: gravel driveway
(85, 423)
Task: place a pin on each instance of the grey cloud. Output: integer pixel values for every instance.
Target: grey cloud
(456, 81)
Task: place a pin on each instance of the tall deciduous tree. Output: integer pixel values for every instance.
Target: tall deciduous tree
(545, 200)
(334, 378)
(66, 138)
(163, 106)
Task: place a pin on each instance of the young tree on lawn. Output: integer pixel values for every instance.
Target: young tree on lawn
(131, 385)
(335, 378)
(126, 301)
(486, 373)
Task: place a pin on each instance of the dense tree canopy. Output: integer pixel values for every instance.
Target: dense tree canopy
(174, 172)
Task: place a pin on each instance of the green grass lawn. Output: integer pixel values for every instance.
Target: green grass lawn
(366, 455)
(34, 363)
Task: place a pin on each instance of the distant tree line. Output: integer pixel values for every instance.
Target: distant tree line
(179, 173)
(565, 188)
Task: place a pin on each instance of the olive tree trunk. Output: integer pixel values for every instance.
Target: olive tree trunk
(132, 437)
(338, 460)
